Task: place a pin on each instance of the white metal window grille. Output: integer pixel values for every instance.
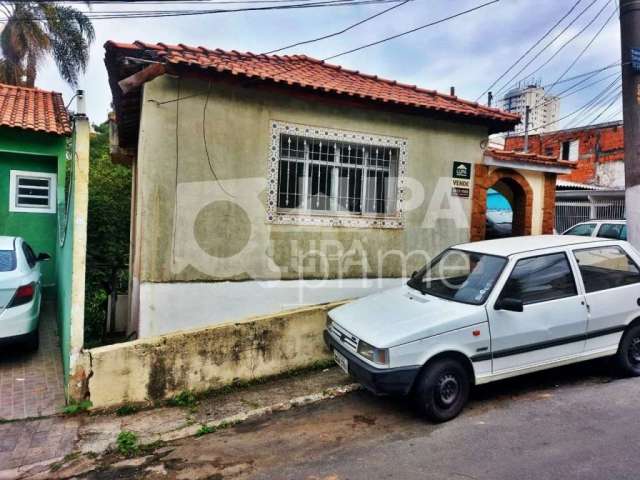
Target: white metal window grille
(336, 174)
(32, 192)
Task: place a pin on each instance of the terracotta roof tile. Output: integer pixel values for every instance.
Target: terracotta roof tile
(33, 109)
(511, 155)
(307, 72)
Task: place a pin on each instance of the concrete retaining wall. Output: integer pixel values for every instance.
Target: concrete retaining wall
(201, 359)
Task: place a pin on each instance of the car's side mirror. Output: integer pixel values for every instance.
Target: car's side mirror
(509, 304)
(43, 257)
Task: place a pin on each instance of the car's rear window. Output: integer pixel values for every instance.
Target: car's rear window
(7, 260)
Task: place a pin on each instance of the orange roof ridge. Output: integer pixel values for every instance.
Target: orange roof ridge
(30, 108)
(317, 74)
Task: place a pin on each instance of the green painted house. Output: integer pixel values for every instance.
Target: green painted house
(34, 131)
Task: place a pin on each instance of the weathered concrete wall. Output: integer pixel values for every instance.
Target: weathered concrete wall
(237, 131)
(160, 367)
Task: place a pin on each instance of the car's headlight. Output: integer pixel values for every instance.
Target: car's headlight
(329, 323)
(373, 354)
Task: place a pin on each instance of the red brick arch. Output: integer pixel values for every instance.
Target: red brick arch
(521, 201)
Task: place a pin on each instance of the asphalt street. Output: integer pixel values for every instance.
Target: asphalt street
(573, 422)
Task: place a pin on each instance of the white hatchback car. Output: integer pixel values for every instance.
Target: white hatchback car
(485, 311)
(20, 292)
(614, 229)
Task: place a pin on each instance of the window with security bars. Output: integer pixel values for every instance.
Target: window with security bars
(319, 175)
(32, 192)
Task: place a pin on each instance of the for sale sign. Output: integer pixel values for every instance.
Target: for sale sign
(461, 179)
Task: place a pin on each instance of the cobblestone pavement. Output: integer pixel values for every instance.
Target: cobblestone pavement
(27, 442)
(31, 383)
(29, 447)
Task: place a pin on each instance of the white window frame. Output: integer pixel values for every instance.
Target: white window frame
(333, 218)
(14, 206)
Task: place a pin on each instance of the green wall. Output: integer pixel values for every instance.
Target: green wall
(38, 153)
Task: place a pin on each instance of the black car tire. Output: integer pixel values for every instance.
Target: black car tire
(442, 390)
(628, 356)
(33, 340)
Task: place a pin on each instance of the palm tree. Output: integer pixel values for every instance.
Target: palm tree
(33, 30)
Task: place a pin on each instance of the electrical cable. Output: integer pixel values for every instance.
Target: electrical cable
(536, 43)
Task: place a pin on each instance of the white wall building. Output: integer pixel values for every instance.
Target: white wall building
(544, 109)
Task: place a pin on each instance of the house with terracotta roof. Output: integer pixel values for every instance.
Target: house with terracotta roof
(34, 129)
(266, 182)
(43, 198)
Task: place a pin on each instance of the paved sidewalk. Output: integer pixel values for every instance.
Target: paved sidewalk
(31, 447)
(31, 383)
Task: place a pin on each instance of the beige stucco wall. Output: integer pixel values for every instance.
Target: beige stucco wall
(206, 358)
(237, 130)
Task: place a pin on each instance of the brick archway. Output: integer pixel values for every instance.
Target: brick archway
(521, 200)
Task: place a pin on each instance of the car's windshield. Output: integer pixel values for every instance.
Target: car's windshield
(459, 275)
(7, 260)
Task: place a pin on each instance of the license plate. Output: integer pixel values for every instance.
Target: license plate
(342, 361)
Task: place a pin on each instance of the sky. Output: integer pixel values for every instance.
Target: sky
(469, 52)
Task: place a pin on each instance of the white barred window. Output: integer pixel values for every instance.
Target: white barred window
(322, 175)
(32, 192)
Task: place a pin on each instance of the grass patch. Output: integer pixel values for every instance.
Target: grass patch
(127, 410)
(66, 459)
(127, 443)
(206, 429)
(185, 398)
(75, 408)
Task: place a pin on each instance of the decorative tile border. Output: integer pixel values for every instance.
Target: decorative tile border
(328, 219)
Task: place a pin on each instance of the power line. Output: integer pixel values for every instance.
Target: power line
(340, 32)
(582, 52)
(611, 104)
(547, 45)
(563, 94)
(362, 47)
(595, 105)
(132, 14)
(599, 95)
(546, 34)
(412, 30)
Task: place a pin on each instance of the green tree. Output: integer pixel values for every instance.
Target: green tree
(107, 233)
(33, 30)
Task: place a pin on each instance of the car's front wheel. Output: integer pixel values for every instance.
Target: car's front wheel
(628, 356)
(442, 390)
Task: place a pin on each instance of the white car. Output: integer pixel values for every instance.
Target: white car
(489, 310)
(20, 292)
(615, 229)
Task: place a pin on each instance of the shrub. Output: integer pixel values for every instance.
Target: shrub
(127, 443)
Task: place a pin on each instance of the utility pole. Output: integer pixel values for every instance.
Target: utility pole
(630, 41)
(527, 112)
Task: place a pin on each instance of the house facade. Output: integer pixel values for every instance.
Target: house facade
(43, 198)
(262, 183)
(597, 150)
(34, 130)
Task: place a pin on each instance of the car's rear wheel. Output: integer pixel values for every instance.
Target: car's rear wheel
(628, 356)
(33, 340)
(442, 390)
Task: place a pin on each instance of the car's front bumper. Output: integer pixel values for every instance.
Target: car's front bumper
(381, 381)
